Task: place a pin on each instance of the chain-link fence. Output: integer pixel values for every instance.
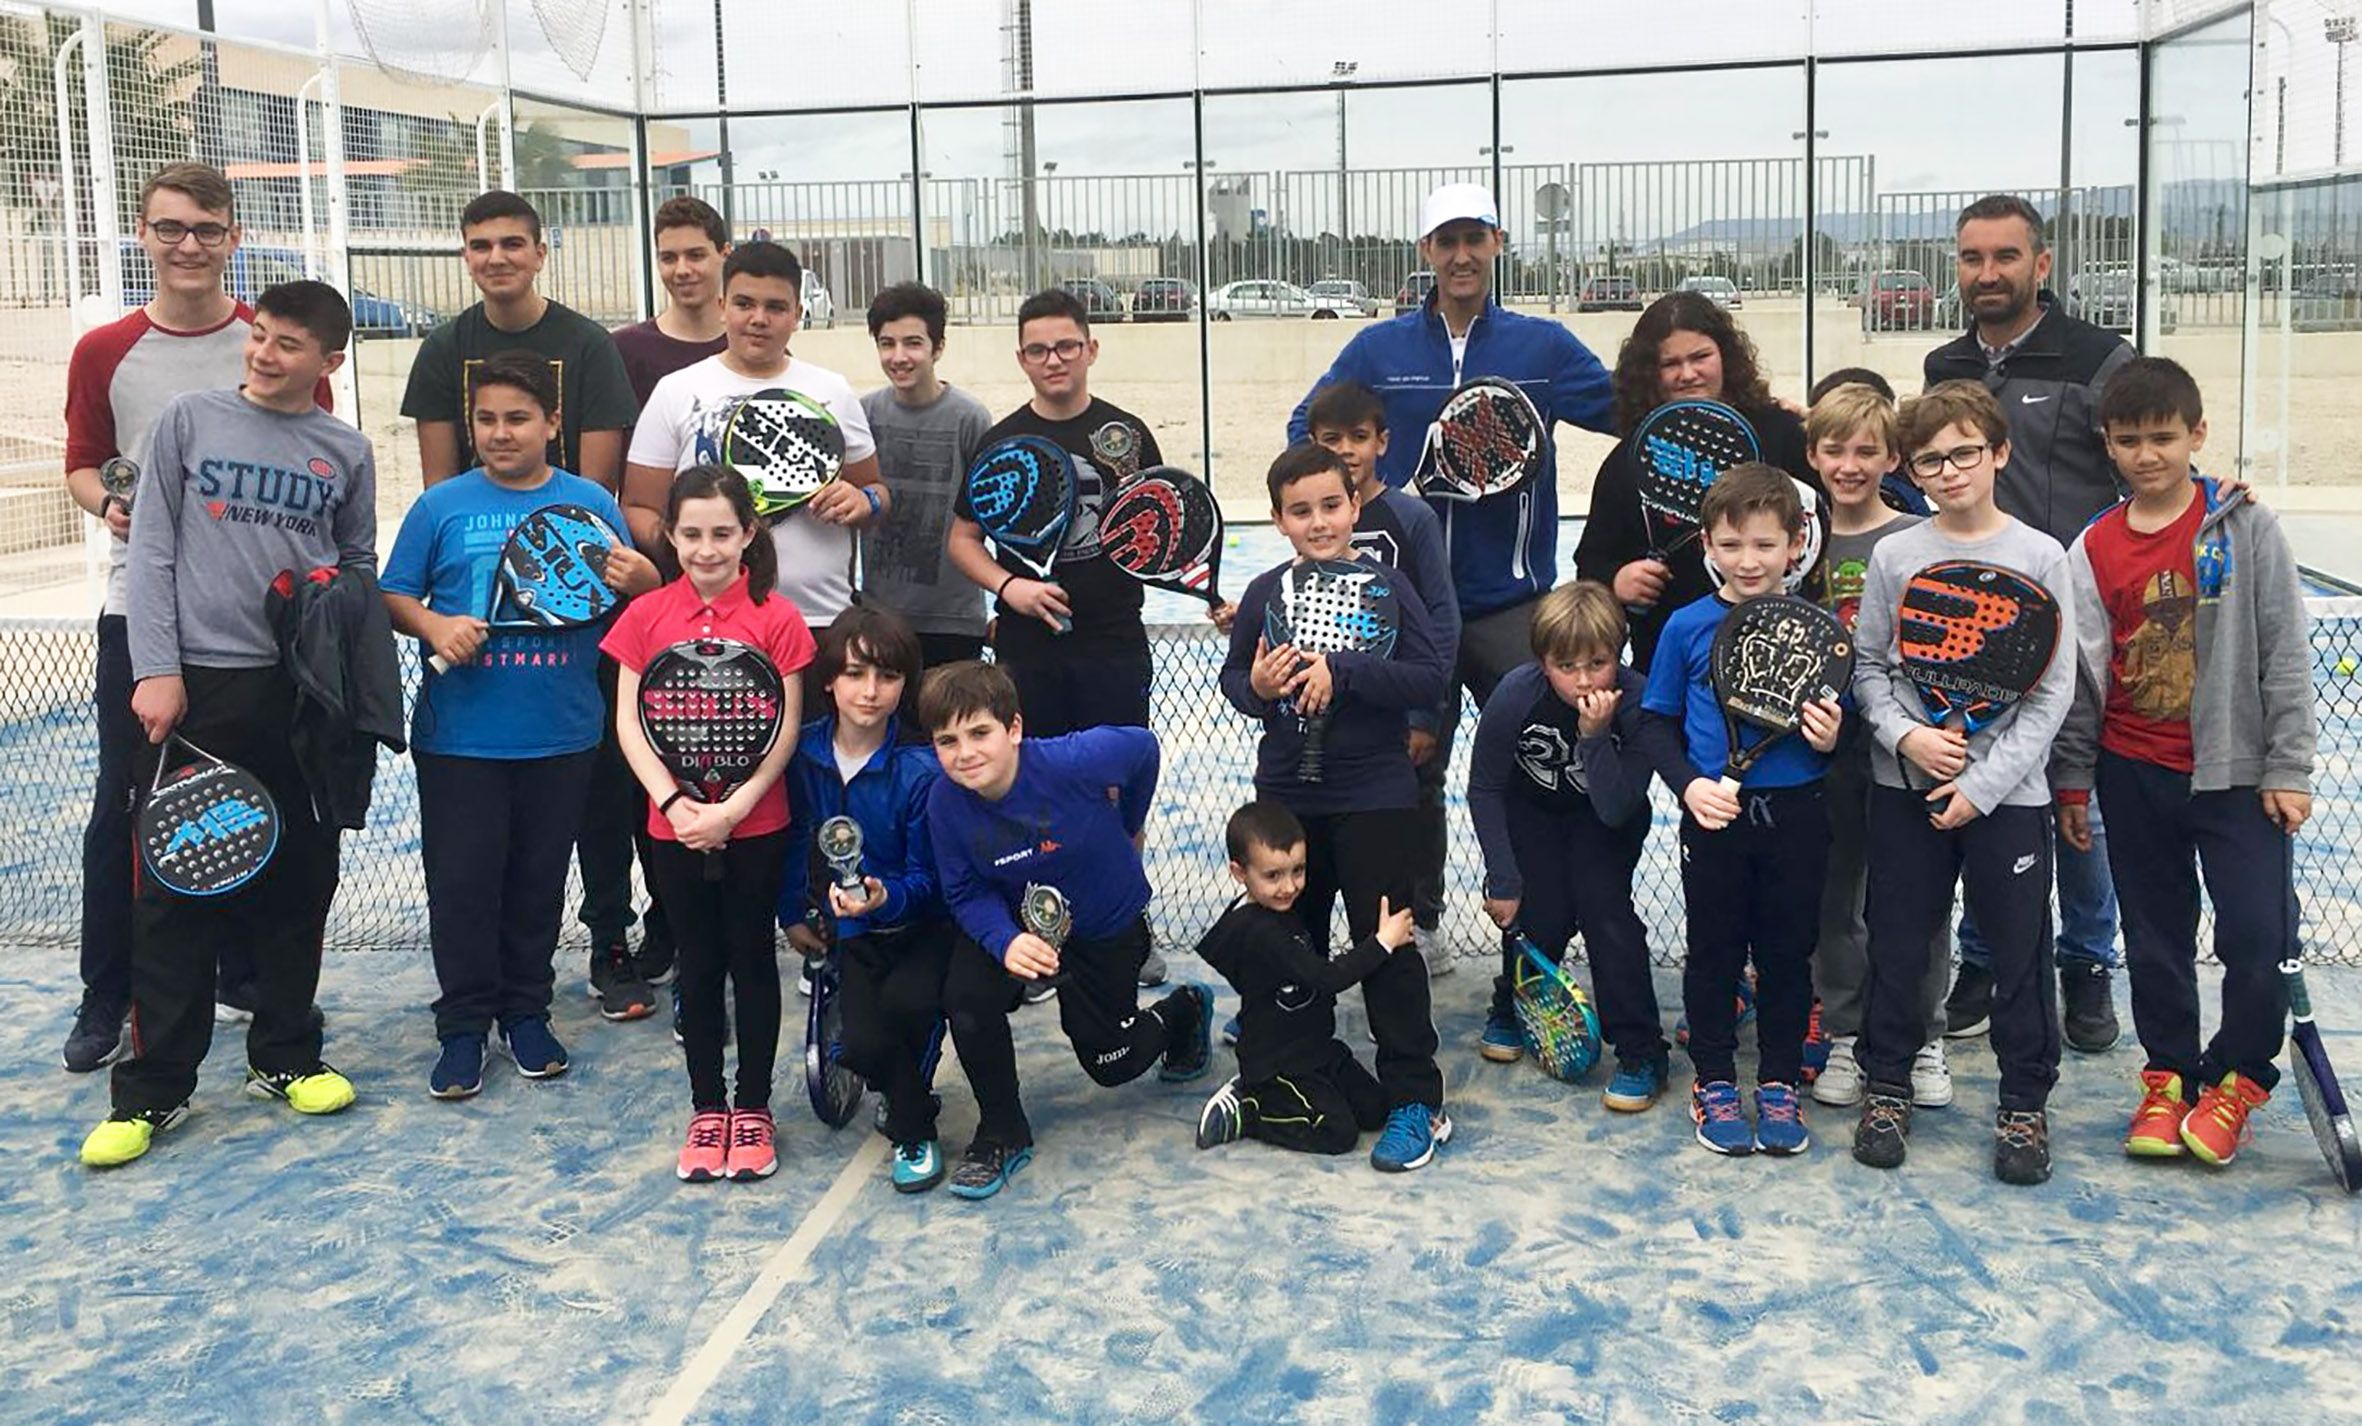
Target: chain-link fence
(46, 741)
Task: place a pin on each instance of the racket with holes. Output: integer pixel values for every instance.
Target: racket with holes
(1331, 607)
(1556, 1015)
(1022, 492)
(207, 827)
(712, 709)
(2317, 1086)
(118, 476)
(786, 444)
(1973, 639)
(1165, 530)
(1772, 656)
(1485, 441)
(552, 574)
(1679, 449)
(834, 1089)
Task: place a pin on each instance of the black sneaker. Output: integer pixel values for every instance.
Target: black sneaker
(986, 1169)
(1152, 970)
(1037, 991)
(99, 1036)
(2087, 1007)
(654, 961)
(2021, 1146)
(1188, 1014)
(1883, 1136)
(1968, 1010)
(233, 1004)
(621, 994)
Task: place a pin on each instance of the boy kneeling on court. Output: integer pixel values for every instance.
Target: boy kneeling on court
(239, 486)
(1064, 813)
(2196, 687)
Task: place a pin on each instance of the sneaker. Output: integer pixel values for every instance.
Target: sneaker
(1230, 1032)
(1779, 1121)
(918, 1166)
(1968, 1010)
(1635, 1085)
(1840, 1081)
(2021, 1146)
(536, 1051)
(1036, 991)
(2217, 1124)
(125, 1135)
(1816, 1045)
(2156, 1131)
(1152, 970)
(2087, 1008)
(617, 986)
(233, 1004)
(1714, 1108)
(1931, 1077)
(678, 1038)
(752, 1154)
(1503, 1041)
(1432, 950)
(1411, 1136)
(986, 1169)
(1745, 1011)
(100, 1035)
(459, 1072)
(804, 975)
(318, 1090)
(653, 962)
(1223, 1120)
(1883, 1134)
(705, 1156)
(1191, 1047)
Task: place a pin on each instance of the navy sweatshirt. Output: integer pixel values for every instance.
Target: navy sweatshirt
(1529, 746)
(888, 799)
(1287, 1018)
(1398, 529)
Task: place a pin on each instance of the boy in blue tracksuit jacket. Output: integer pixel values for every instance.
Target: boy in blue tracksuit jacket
(1067, 813)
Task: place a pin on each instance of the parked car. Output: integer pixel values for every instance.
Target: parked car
(1164, 299)
(2109, 298)
(1101, 303)
(1354, 298)
(820, 309)
(2327, 302)
(1261, 298)
(1413, 293)
(1898, 301)
(253, 268)
(1609, 292)
(1721, 291)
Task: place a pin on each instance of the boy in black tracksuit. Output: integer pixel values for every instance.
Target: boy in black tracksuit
(1298, 1085)
(1558, 790)
(1360, 822)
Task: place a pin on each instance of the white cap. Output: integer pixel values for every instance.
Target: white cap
(1454, 201)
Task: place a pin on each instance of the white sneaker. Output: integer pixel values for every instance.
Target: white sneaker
(1840, 1083)
(1431, 950)
(1931, 1078)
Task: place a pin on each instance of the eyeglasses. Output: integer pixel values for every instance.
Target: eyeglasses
(1037, 353)
(169, 232)
(1962, 458)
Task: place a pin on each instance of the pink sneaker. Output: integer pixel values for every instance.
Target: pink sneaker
(751, 1154)
(705, 1154)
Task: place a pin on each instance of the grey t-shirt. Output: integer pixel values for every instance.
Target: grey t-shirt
(923, 451)
(232, 494)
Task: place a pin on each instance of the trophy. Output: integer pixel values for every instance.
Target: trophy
(1043, 911)
(839, 839)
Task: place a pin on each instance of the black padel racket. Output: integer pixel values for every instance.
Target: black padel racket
(1485, 441)
(1679, 449)
(1974, 639)
(835, 1090)
(786, 444)
(207, 827)
(1331, 607)
(552, 574)
(1022, 492)
(2317, 1086)
(712, 709)
(1772, 656)
(1165, 529)
(118, 476)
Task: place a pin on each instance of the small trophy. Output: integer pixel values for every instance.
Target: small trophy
(1043, 911)
(119, 477)
(839, 839)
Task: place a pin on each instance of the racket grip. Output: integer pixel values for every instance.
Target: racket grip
(713, 866)
(1310, 765)
(1729, 784)
(438, 663)
(1640, 610)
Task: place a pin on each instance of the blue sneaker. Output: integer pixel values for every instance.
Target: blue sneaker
(460, 1072)
(1411, 1136)
(1230, 1031)
(917, 1166)
(537, 1052)
(1635, 1086)
(1503, 1041)
(986, 1169)
(1779, 1121)
(1191, 1052)
(1714, 1106)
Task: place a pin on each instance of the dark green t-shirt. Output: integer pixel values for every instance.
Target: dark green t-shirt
(594, 392)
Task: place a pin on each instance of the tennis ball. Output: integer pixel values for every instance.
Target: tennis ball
(2346, 666)
(1233, 541)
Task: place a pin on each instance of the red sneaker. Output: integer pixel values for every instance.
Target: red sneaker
(705, 1156)
(751, 1153)
(2218, 1125)
(2156, 1131)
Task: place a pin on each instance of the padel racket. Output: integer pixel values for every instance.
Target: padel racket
(712, 709)
(1022, 491)
(2317, 1086)
(552, 574)
(1485, 441)
(1772, 656)
(207, 827)
(1816, 538)
(1559, 1023)
(1973, 639)
(786, 444)
(1331, 607)
(118, 476)
(1165, 529)
(834, 1089)
(1679, 449)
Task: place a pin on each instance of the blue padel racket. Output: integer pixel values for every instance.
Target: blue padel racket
(1165, 530)
(712, 709)
(1022, 491)
(1485, 441)
(2317, 1086)
(834, 1089)
(1331, 607)
(207, 827)
(786, 444)
(1559, 1023)
(552, 574)
(1772, 656)
(1679, 449)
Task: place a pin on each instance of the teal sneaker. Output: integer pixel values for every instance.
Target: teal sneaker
(1635, 1086)
(986, 1169)
(918, 1166)
(1503, 1041)
(1722, 1127)
(1412, 1135)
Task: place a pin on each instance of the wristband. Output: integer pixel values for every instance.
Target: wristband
(667, 804)
(875, 504)
(1003, 591)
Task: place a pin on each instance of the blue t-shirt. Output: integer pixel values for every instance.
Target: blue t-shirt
(1681, 685)
(531, 693)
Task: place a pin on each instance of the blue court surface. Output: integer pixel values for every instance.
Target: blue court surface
(528, 1257)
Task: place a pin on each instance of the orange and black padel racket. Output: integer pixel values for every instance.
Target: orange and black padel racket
(1975, 638)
